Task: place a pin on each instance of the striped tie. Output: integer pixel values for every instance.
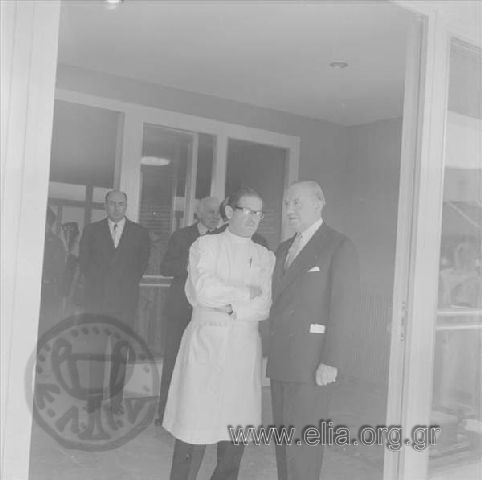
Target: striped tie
(293, 251)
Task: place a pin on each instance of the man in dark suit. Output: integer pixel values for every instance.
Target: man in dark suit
(177, 309)
(315, 300)
(113, 255)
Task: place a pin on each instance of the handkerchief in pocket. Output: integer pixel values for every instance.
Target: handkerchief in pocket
(314, 269)
(317, 328)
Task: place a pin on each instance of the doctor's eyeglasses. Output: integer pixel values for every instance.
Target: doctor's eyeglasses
(247, 211)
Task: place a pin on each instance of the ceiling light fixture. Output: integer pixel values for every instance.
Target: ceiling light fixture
(112, 4)
(339, 65)
(155, 161)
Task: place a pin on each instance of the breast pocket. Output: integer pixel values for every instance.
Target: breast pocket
(314, 276)
(314, 290)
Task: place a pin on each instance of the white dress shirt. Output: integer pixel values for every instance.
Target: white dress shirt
(116, 229)
(301, 240)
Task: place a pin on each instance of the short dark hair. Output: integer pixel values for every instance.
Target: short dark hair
(233, 200)
(222, 209)
(114, 191)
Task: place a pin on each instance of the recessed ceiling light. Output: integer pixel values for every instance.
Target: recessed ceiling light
(155, 161)
(339, 65)
(111, 4)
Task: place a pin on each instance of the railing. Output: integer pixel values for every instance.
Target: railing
(150, 321)
(459, 318)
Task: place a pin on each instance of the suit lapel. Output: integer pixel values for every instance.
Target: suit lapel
(106, 234)
(124, 239)
(303, 261)
(195, 232)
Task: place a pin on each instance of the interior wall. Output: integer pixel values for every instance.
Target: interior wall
(362, 201)
(371, 208)
(372, 178)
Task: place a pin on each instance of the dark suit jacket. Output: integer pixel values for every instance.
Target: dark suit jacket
(328, 295)
(174, 264)
(111, 275)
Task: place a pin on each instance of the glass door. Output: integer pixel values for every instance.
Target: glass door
(165, 161)
(440, 379)
(84, 166)
(175, 172)
(263, 168)
(456, 397)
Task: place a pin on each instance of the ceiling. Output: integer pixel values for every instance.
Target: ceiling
(270, 54)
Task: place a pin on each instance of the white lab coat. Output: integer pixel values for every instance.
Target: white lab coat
(216, 381)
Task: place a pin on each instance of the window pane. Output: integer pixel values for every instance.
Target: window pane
(97, 215)
(84, 150)
(456, 405)
(261, 167)
(205, 160)
(166, 154)
(98, 194)
(84, 144)
(83, 155)
(67, 191)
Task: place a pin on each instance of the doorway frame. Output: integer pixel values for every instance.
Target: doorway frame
(418, 241)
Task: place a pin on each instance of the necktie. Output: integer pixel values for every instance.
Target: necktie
(115, 234)
(293, 251)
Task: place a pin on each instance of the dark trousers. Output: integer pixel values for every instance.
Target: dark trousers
(106, 359)
(299, 405)
(174, 330)
(187, 459)
(117, 379)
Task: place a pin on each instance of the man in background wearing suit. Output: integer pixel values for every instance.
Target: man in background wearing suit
(315, 300)
(113, 256)
(177, 309)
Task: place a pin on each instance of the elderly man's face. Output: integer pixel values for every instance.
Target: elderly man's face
(115, 206)
(245, 216)
(208, 213)
(303, 207)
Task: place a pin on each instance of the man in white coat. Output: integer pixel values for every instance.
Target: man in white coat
(216, 381)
